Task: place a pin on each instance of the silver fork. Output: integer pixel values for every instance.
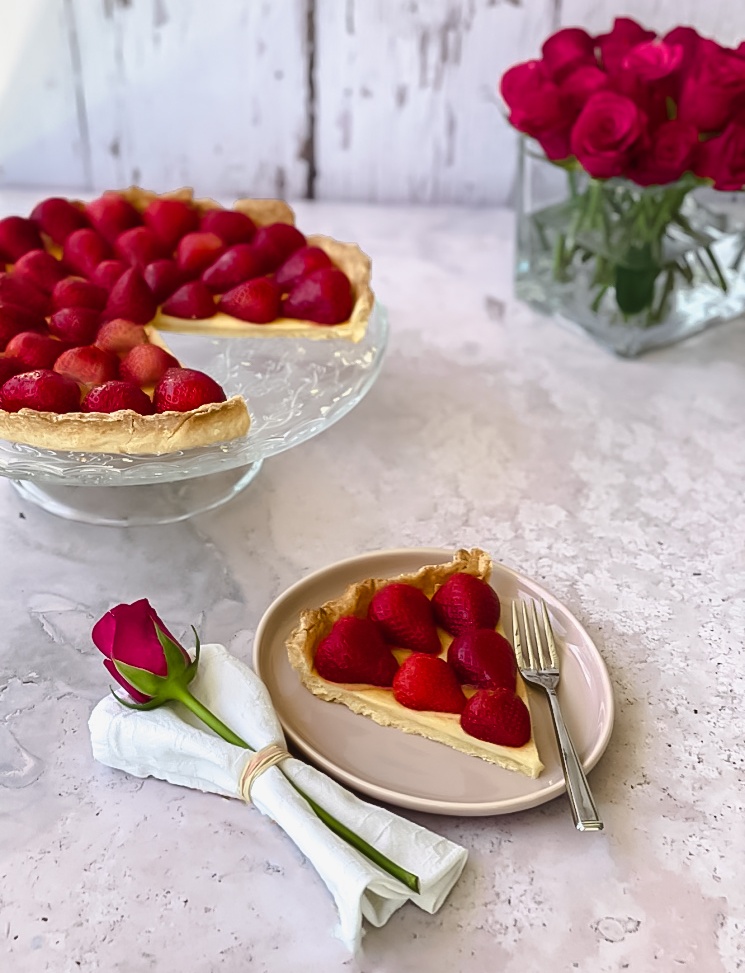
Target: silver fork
(542, 670)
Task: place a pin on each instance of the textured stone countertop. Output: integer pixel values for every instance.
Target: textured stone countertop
(617, 484)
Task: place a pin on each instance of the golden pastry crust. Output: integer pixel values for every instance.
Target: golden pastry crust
(379, 704)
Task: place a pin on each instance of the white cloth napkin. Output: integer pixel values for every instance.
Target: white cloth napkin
(171, 744)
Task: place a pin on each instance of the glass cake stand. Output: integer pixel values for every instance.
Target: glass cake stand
(295, 389)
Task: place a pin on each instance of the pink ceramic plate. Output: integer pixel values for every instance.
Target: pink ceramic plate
(409, 771)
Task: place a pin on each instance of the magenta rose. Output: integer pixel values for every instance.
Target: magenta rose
(653, 60)
(667, 155)
(722, 158)
(566, 50)
(536, 107)
(606, 132)
(127, 634)
(577, 87)
(691, 43)
(615, 45)
(714, 89)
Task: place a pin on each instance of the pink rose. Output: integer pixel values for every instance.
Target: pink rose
(691, 42)
(605, 133)
(566, 50)
(536, 107)
(722, 158)
(577, 87)
(713, 90)
(614, 46)
(667, 155)
(652, 60)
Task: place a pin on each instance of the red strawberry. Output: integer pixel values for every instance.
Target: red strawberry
(484, 658)
(75, 325)
(146, 364)
(230, 225)
(130, 298)
(183, 389)
(84, 250)
(301, 263)
(107, 273)
(111, 215)
(497, 716)
(465, 602)
(9, 367)
(41, 389)
(196, 251)
(236, 265)
(324, 296)
(139, 246)
(34, 350)
(88, 365)
(276, 242)
(13, 320)
(193, 300)
(114, 396)
(120, 336)
(22, 294)
(404, 615)
(427, 682)
(40, 269)
(17, 236)
(163, 277)
(170, 219)
(58, 218)
(354, 652)
(78, 292)
(256, 300)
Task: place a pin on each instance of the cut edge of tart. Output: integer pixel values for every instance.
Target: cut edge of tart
(379, 704)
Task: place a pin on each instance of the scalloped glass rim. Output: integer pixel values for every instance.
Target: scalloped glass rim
(295, 389)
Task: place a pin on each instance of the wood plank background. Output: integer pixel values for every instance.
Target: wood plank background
(374, 100)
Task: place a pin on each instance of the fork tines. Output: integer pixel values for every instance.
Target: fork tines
(540, 645)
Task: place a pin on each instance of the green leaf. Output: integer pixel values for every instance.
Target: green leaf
(153, 704)
(142, 680)
(176, 661)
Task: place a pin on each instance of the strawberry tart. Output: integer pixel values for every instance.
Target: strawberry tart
(423, 653)
(87, 289)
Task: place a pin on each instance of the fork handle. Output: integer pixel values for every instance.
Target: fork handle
(584, 812)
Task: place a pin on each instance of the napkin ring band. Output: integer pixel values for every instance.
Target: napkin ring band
(262, 760)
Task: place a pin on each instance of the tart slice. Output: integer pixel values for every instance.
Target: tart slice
(379, 701)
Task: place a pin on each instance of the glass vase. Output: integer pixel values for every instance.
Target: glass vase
(636, 267)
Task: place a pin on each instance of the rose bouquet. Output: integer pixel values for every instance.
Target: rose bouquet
(635, 126)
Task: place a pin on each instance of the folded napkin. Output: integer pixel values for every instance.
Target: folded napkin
(171, 744)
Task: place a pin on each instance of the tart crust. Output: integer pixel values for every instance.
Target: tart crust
(379, 704)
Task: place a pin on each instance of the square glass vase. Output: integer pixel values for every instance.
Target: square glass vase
(637, 267)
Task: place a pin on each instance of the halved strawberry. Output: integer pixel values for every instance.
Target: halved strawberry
(58, 218)
(236, 265)
(75, 325)
(130, 298)
(107, 273)
(404, 615)
(196, 251)
(84, 250)
(115, 396)
(34, 350)
(193, 300)
(17, 236)
(426, 682)
(255, 300)
(275, 243)
(120, 336)
(230, 225)
(354, 652)
(324, 297)
(9, 367)
(78, 292)
(301, 263)
(163, 277)
(497, 716)
(183, 389)
(88, 365)
(23, 294)
(40, 389)
(465, 602)
(482, 657)
(170, 219)
(40, 269)
(139, 247)
(13, 320)
(146, 365)
(111, 215)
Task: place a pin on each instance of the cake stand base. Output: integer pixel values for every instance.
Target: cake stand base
(137, 506)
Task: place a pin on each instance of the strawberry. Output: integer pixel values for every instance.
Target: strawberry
(78, 292)
(301, 263)
(34, 350)
(163, 277)
(107, 273)
(354, 652)
(146, 364)
(75, 325)
(111, 215)
(230, 225)
(120, 336)
(139, 246)
(465, 602)
(84, 250)
(21, 293)
(193, 300)
(404, 615)
(130, 298)
(497, 716)
(40, 269)
(427, 682)
(275, 243)
(324, 296)
(17, 236)
(58, 218)
(40, 389)
(88, 365)
(196, 251)
(236, 265)
(117, 395)
(256, 300)
(13, 320)
(169, 220)
(183, 389)
(482, 657)
(9, 367)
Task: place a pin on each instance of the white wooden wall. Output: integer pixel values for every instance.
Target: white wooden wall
(389, 100)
